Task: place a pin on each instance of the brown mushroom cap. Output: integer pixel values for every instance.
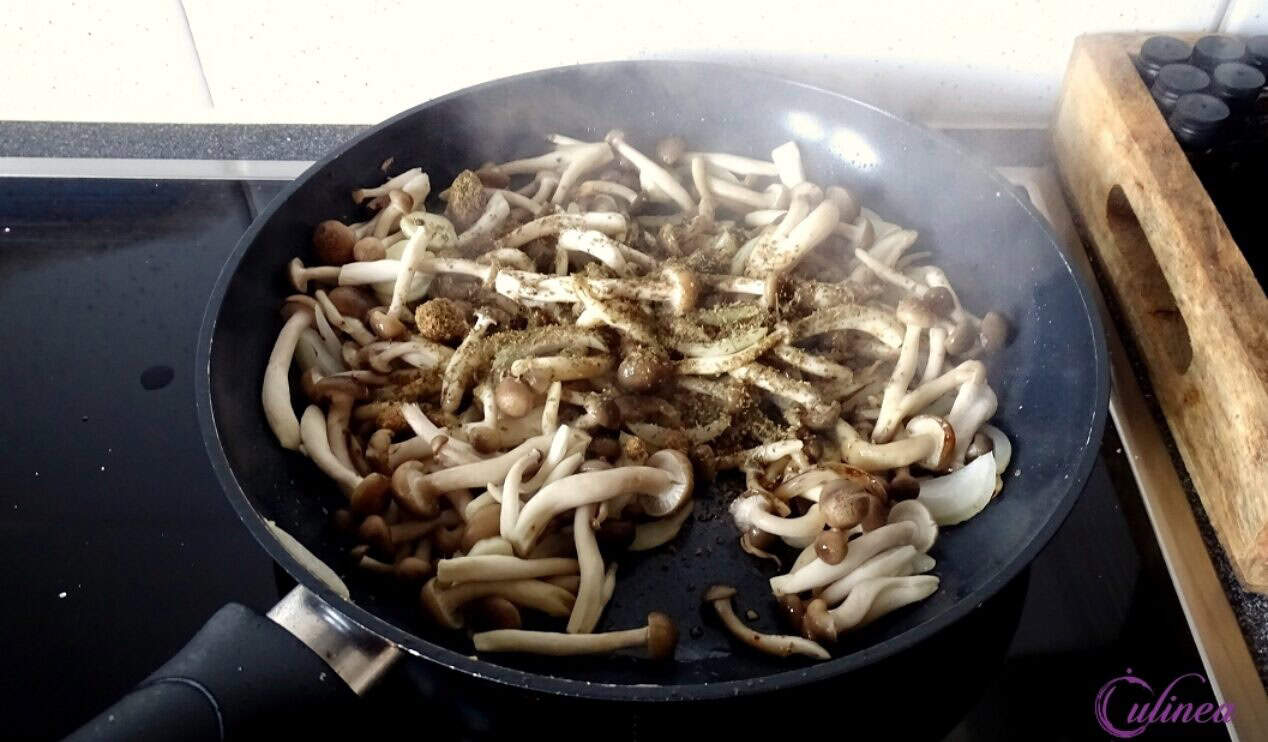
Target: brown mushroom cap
(993, 331)
(513, 397)
(484, 524)
(877, 514)
(448, 540)
(831, 546)
(401, 200)
(903, 486)
(604, 448)
(817, 625)
(375, 532)
(493, 612)
(685, 285)
(940, 301)
(385, 325)
(615, 535)
(352, 301)
(411, 491)
(370, 495)
(912, 311)
(413, 569)
(842, 505)
(943, 435)
(793, 609)
(643, 371)
(332, 242)
(662, 636)
(369, 248)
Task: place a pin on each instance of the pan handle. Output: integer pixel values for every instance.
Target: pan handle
(244, 675)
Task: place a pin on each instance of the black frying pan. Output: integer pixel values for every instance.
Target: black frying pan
(1052, 379)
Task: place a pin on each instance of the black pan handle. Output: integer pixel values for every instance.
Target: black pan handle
(244, 676)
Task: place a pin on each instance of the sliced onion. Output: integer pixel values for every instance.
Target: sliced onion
(1000, 446)
(962, 494)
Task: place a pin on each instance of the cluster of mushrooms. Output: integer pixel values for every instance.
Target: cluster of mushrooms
(516, 392)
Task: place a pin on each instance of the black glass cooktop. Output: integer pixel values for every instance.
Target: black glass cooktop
(116, 542)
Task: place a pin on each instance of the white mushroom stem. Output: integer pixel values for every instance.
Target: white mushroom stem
(560, 439)
(393, 183)
(494, 215)
(585, 612)
(873, 598)
(555, 160)
(543, 370)
(879, 323)
(958, 496)
(607, 187)
(449, 453)
(602, 221)
(582, 489)
(651, 176)
(763, 454)
(937, 353)
(753, 512)
(899, 380)
(700, 178)
(597, 245)
(763, 217)
(648, 536)
(735, 163)
(479, 473)
(974, 405)
(783, 253)
(787, 159)
(516, 200)
(811, 363)
(896, 562)
(558, 645)
(582, 159)
(460, 368)
(444, 603)
(488, 567)
(737, 195)
(887, 249)
(714, 365)
(494, 546)
(550, 410)
(768, 379)
(888, 274)
(968, 372)
(779, 645)
(275, 393)
(819, 573)
(511, 492)
(415, 249)
(312, 428)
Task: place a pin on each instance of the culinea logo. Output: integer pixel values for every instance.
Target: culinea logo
(1159, 708)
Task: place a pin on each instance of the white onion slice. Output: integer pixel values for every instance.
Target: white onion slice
(962, 494)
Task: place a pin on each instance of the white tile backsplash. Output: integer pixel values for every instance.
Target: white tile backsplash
(962, 62)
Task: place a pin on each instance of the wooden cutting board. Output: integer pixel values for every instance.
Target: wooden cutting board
(1189, 299)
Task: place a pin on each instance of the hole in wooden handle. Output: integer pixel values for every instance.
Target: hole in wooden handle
(1148, 282)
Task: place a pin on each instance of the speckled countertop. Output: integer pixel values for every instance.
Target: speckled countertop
(1002, 147)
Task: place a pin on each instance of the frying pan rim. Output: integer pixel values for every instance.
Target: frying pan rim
(565, 687)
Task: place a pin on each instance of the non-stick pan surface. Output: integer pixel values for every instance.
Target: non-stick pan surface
(1052, 379)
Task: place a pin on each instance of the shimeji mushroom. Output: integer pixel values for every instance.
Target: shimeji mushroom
(778, 645)
(416, 489)
(585, 612)
(606, 222)
(367, 494)
(458, 371)
(753, 511)
(818, 573)
(595, 244)
(878, 323)
(494, 215)
(488, 567)
(660, 637)
(582, 159)
(444, 604)
(540, 372)
(787, 159)
(657, 484)
(341, 393)
(300, 276)
(654, 179)
(960, 495)
(275, 393)
(873, 598)
(780, 254)
(930, 442)
(897, 562)
(494, 546)
(397, 181)
(700, 178)
(510, 509)
(916, 317)
(648, 536)
(736, 164)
